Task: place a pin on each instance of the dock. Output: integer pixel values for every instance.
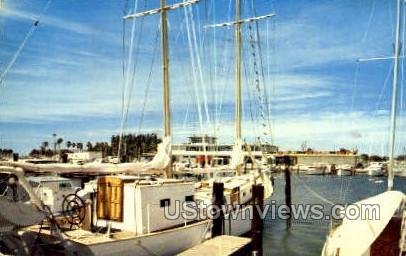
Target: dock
(221, 245)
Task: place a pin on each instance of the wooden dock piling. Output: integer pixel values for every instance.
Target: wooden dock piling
(257, 222)
(288, 190)
(218, 214)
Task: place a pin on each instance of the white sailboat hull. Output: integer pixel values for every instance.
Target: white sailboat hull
(315, 172)
(168, 242)
(401, 173)
(344, 172)
(375, 172)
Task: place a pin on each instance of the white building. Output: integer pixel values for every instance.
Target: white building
(83, 157)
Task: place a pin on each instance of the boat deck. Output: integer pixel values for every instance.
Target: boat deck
(87, 237)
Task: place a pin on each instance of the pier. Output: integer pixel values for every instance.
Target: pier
(221, 245)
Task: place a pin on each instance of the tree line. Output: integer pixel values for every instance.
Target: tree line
(6, 153)
(133, 146)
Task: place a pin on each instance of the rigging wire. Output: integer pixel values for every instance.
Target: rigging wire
(33, 28)
(371, 15)
(136, 59)
(193, 63)
(148, 81)
(214, 69)
(198, 62)
(383, 89)
(402, 77)
(126, 83)
(225, 69)
(132, 82)
(123, 62)
(214, 79)
(260, 101)
(271, 89)
(250, 98)
(261, 64)
(354, 91)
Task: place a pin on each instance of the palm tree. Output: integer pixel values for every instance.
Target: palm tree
(89, 146)
(59, 142)
(54, 136)
(79, 145)
(68, 144)
(44, 146)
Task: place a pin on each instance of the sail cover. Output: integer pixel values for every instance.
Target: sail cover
(163, 157)
(160, 161)
(237, 156)
(355, 235)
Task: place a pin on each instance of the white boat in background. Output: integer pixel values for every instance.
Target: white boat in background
(300, 168)
(317, 169)
(344, 170)
(399, 168)
(401, 173)
(375, 169)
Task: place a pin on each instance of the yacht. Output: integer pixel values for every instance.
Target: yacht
(237, 195)
(344, 170)
(128, 215)
(376, 169)
(316, 169)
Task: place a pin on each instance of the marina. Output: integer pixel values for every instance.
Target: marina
(202, 127)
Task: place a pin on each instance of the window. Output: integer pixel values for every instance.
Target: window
(165, 202)
(33, 184)
(189, 198)
(65, 185)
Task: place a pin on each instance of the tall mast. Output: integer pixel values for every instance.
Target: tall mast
(165, 60)
(165, 71)
(394, 97)
(238, 105)
(238, 102)
(165, 80)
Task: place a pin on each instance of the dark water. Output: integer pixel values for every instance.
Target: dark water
(306, 237)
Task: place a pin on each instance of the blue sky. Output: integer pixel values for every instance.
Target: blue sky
(68, 79)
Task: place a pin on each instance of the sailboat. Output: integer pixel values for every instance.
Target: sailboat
(344, 170)
(129, 213)
(237, 186)
(122, 224)
(375, 235)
